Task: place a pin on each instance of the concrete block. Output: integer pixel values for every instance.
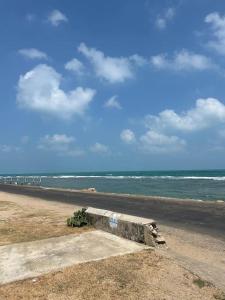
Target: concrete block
(137, 229)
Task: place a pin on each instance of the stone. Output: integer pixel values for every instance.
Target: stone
(160, 240)
(91, 190)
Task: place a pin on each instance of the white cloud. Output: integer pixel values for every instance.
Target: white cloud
(9, 148)
(39, 90)
(138, 60)
(75, 66)
(61, 144)
(169, 131)
(112, 69)
(113, 103)
(162, 21)
(127, 136)
(164, 129)
(217, 23)
(99, 148)
(207, 113)
(56, 17)
(5, 148)
(33, 53)
(182, 60)
(56, 142)
(156, 142)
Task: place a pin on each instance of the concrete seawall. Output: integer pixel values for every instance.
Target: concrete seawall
(133, 228)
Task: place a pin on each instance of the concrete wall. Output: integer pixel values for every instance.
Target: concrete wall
(130, 227)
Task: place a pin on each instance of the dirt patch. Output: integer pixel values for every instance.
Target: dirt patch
(202, 254)
(22, 222)
(143, 275)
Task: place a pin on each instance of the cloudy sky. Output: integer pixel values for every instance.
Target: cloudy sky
(112, 85)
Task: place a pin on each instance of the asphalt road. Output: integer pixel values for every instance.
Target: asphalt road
(203, 217)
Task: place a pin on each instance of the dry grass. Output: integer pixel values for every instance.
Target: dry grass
(19, 223)
(144, 275)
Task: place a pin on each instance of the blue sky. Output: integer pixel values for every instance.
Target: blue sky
(112, 85)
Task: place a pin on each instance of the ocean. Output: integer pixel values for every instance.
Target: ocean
(201, 184)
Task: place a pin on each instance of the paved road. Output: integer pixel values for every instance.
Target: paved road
(203, 217)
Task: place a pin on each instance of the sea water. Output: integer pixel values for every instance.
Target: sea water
(201, 184)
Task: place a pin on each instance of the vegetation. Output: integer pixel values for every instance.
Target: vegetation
(79, 219)
(200, 283)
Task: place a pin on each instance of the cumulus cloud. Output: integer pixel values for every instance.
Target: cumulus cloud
(59, 143)
(112, 69)
(207, 113)
(164, 129)
(182, 61)
(39, 90)
(162, 20)
(113, 102)
(169, 131)
(32, 53)
(99, 148)
(56, 17)
(217, 23)
(127, 136)
(156, 142)
(75, 66)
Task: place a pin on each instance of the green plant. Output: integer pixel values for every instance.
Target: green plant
(200, 283)
(79, 219)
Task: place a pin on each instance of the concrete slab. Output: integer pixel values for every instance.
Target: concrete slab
(31, 259)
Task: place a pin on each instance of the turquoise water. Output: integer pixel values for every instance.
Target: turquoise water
(201, 184)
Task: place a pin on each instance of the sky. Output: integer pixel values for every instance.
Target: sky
(111, 85)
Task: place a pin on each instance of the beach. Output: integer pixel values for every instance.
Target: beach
(189, 254)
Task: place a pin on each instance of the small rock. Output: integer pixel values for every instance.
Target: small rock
(91, 189)
(160, 240)
(34, 280)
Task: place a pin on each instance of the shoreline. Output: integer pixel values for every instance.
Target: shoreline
(141, 196)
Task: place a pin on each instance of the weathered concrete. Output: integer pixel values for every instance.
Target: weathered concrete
(30, 259)
(134, 228)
